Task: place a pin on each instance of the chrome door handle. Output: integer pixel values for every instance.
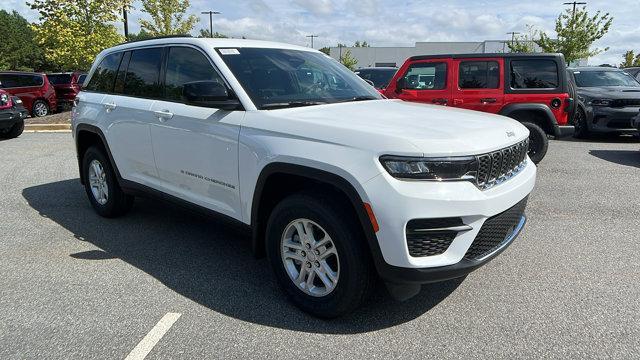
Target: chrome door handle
(163, 115)
(109, 106)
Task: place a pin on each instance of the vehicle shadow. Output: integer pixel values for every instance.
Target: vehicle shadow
(621, 157)
(209, 262)
(604, 138)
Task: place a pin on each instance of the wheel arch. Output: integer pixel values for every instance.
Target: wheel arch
(87, 135)
(539, 114)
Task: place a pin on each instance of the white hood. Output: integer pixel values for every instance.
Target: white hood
(398, 127)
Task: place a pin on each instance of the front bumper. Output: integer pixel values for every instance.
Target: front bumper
(396, 202)
(10, 116)
(602, 119)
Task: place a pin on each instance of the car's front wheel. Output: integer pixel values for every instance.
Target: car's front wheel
(318, 255)
(580, 124)
(101, 185)
(538, 142)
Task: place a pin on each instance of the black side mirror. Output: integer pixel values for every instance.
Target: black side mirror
(209, 94)
(400, 84)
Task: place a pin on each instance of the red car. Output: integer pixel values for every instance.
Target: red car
(34, 89)
(67, 86)
(531, 88)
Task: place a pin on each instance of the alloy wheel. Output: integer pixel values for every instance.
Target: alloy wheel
(310, 257)
(98, 182)
(40, 109)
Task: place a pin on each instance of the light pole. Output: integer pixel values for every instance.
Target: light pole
(312, 36)
(574, 6)
(126, 23)
(211, 13)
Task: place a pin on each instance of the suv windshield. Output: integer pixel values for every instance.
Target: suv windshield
(277, 78)
(57, 79)
(604, 78)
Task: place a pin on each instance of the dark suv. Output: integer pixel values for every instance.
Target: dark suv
(609, 99)
(34, 89)
(67, 86)
(531, 88)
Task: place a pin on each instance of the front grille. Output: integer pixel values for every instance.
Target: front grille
(625, 102)
(498, 166)
(429, 242)
(495, 231)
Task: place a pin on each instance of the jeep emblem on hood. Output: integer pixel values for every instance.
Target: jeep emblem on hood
(511, 134)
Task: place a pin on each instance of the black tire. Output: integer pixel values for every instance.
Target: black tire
(538, 142)
(580, 125)
(117, 202)
(14, 131)
(46, 108)
(357, 275)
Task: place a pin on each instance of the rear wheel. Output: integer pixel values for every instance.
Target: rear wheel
(40, 108)
(318, 255)
(101, 185)
(538, 142)
(14, 131)
(580, 124)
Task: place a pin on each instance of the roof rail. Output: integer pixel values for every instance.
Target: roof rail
(158, 37)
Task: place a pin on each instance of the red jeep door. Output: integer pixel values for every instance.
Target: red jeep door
(425, 81)
(479, 84)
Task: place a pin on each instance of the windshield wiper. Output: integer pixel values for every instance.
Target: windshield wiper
(360, 98)
(283, 105)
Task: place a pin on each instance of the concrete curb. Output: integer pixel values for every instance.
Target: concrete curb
(47, 127)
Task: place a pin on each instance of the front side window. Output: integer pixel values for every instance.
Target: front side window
(426, 76)
(604, 78)
(143, 73)
(105, 74)
(479, 75)
(534, 74)
(276, 78)
(186, 65)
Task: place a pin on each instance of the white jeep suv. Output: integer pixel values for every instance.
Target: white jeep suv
(337, 184)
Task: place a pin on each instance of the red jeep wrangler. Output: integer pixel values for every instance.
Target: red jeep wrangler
(531, 88)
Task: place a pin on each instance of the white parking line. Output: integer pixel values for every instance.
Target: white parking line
(146, 345)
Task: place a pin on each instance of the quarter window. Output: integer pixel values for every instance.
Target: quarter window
(426, 76)
(104, 75)
(479, 75)
(534, 74)
(185, 65)
(143, 73)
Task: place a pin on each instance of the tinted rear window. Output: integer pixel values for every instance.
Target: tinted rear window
(20, 80)
(57, 79)
(534, 74)
(105, 74)
(479, 75)
(143, 73)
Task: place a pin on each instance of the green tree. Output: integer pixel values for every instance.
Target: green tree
(18, 48)
(204, 33)
(524, 43)
(360, 44)
(349, 61)
(73, 32)
(141, 35)
(325, 50)
(576, 33)
(168, 17)
(630, 59)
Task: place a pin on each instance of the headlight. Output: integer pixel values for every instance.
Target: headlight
(440, 169)
(4, 99)
(601, 102)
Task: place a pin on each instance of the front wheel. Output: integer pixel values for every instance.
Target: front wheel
(318, 255)
(580, 124)
(538, 142)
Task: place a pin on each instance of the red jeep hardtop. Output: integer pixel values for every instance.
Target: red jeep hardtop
(531, 88)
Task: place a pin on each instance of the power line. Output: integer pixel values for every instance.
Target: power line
(312, 37)
(211, 13)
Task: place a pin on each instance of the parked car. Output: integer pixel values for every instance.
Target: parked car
(531, 88)
(633, 71)
(379, 76)
(37, 94)
(333, 181)
(67, 86)
(12, 115)
(608, 99)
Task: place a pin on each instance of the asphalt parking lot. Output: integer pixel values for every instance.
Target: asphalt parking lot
(74, 285)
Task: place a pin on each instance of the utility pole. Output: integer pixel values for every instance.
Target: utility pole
(126, 23)
(312, 36)
(211, 13)
(513, 36)
(574, 6)
(340, 52)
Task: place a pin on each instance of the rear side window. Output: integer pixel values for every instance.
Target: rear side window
(143, 73)
(479, 75)
(57, 79)
(105, 74)
(185, 65)
(534, 74)
(426, 76)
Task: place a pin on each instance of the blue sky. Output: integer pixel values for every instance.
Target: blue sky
(395, 23)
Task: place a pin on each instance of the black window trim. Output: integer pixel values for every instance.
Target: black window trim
(488, 60)
(23, 74)
(446, 72)
(562, 76)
